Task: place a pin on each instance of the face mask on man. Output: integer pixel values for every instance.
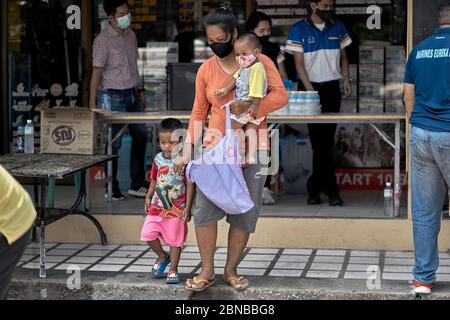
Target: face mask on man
(327, 16)
(221, 49)
(124, 22)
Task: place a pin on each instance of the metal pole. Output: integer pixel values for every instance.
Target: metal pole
(42, 270)
(110, 163)
(398, 188)
(87, 199)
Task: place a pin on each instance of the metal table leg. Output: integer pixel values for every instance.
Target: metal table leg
(87, 200)
(110, 170)
(397, 182)
(42, 217)
(82, 195)
(36, 205)
(110, 143)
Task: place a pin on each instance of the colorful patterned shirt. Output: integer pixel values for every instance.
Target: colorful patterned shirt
(169, 198)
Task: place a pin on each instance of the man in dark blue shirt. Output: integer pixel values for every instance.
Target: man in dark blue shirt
(427, 100)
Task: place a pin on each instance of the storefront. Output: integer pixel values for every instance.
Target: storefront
(46, 62)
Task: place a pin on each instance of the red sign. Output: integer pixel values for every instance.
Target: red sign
(368, 179)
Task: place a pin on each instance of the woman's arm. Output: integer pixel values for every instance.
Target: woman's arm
(197, 122)
(277, 96)
(190, 190)
(200, 109)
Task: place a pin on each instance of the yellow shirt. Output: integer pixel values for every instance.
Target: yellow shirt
(251, 82)
(17, 212)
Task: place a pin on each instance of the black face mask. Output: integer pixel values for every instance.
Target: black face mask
(264, 40)
(222, 50)
(326, 15)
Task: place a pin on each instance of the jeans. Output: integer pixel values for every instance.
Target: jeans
(127, 101)
(322, 141)
(430, 176)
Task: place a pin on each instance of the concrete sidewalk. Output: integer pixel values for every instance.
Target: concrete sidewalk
(122, 272)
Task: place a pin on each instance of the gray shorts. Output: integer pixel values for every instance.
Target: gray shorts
(205, 212)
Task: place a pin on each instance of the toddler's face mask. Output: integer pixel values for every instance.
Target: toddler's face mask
(246, 61)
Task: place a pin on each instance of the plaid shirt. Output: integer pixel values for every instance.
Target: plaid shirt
(117, 55)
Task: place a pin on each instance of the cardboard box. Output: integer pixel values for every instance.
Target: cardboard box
(395, 72)
(353, 69)
(395, 54)
(371, 54)
(394, 90)
(395, 106)
(371, 89)
(71, 131)
(349, 106)
(371, 106)
(371, 72)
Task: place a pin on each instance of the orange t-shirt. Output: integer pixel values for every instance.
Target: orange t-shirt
(210, 77)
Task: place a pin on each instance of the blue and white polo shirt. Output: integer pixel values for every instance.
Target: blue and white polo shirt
(321, 49)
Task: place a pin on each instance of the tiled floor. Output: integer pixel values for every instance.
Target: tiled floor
(360, 204)
(305, 263)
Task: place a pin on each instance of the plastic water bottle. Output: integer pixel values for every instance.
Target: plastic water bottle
(29, 137)
(315, 99)
(20, 139)
(389, 200)
(106, 102)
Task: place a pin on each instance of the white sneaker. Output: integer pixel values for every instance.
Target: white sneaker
(267, 197)
(420, 288)
(141, 193)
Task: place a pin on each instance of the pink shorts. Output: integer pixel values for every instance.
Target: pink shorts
(172, 231)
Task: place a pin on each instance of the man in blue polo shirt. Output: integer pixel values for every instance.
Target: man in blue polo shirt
(319, 43)
(427, 101)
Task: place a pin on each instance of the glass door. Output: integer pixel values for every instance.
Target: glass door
(44, 59)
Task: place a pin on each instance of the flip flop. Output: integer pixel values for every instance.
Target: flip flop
(159, 268)
(173, 277)
(197, 281)
(240, 286)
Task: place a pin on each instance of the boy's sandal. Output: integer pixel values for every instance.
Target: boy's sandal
(159, 267)
(173, 277)
(197, 281)
(238, 283)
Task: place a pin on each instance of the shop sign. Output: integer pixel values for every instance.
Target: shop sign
(367, 179)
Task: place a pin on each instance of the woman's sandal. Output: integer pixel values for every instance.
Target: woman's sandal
(196, 281)
(237, 284)
(159, 267)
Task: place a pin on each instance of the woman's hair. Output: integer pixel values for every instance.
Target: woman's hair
(255, 18)
(223, 17)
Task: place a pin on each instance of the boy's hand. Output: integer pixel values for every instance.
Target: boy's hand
(187, 215)
(220, 93)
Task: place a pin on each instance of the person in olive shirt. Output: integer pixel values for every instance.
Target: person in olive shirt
(17, 215)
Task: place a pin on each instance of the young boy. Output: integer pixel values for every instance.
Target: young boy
(251, 85)
(168, 204)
